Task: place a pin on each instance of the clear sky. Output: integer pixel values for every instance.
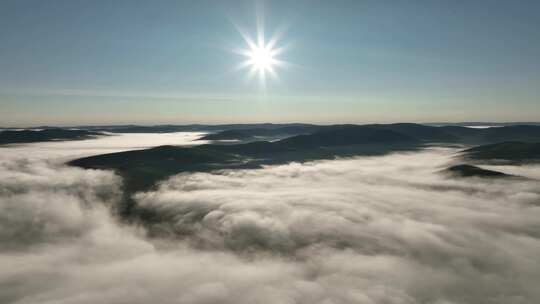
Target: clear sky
(112, 61)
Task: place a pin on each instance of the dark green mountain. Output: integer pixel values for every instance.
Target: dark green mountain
(464, 135)
(424, 133)
(465, 170)
(251, 132)
(348, 135)
(29, 136)
(257, 133)
(516, 152)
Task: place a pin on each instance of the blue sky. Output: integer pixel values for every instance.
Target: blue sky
(95, 62)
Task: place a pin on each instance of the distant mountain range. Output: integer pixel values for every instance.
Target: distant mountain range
(482, 123)
(189, 128)
(266, 133)
(29, 136)
(422, 133)
(254, 132)
(222, 127)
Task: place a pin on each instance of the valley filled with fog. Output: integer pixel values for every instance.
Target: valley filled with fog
(377, 229)
(61, 151)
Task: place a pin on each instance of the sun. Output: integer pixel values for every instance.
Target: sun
(261, 56)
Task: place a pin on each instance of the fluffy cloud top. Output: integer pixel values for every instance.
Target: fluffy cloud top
(384, 229)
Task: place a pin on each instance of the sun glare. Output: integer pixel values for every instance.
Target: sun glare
(261, 56)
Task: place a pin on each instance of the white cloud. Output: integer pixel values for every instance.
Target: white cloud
(367, 230)
(61, 151)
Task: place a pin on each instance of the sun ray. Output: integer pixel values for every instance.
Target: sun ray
(261, 54)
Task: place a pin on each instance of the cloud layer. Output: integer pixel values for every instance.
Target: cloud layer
(368, 230)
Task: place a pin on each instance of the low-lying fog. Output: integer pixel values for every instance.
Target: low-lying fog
(386, 229)
(114, 142)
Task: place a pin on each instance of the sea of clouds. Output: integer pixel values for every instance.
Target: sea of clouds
(385, 229)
